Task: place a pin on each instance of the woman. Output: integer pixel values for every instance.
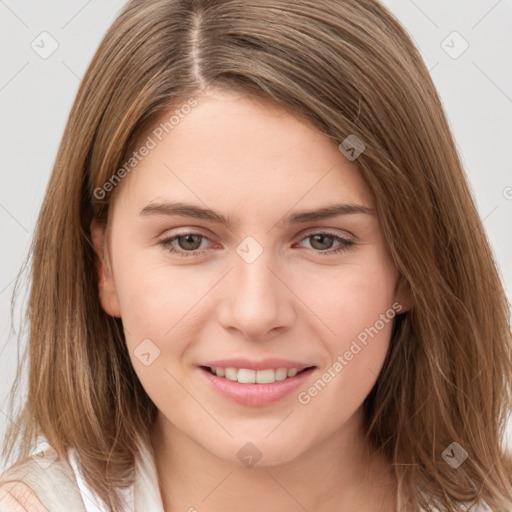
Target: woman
(259, 277)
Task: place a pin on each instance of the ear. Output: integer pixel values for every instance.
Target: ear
(403, 294)
(106, 286)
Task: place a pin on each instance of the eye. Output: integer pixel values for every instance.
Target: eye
(188, 243)
(321, 242)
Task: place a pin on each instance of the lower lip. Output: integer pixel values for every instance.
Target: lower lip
(256, 394)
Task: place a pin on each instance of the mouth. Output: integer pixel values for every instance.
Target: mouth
(250, 376)
(254, 388)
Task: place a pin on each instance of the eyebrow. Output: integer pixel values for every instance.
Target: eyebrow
(196, 212)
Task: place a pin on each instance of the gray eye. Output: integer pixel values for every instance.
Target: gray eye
(321, 241)
(191, 242)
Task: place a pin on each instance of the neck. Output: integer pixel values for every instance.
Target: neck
(341, 473)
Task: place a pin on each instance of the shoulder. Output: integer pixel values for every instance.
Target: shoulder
(40, 483)
(17, 496)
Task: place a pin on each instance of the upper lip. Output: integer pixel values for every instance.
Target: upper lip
(264, 364)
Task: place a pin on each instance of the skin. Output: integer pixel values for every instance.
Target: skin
(16, 496)
(294, 301)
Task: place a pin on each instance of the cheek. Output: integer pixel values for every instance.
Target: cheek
(159, 301)
(351, 298)
(355, 308)
(159, 308)
(360, 318)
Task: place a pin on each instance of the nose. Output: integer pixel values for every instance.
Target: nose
(258, 303)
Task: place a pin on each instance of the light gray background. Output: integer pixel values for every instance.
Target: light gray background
(36, 95)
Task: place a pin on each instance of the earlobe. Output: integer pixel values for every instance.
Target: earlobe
(403, 295)
(106, 286)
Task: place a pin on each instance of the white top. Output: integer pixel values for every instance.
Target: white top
(145, 493)
(148, 493)
(92, 501)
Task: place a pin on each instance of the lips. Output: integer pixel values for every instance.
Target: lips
(255, 383)
(265, 364)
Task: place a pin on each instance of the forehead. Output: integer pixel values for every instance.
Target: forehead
(241, 154)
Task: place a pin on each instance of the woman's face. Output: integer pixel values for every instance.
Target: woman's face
(217, 259)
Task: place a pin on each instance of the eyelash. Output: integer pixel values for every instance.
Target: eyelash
(344, 244)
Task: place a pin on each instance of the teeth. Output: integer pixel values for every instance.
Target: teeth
(230, 373)
(265, 376)
(248, 376)
(281, 373)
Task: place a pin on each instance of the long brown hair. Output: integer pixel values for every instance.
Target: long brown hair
(349, 68)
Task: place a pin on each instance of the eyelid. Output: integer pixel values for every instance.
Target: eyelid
(344, 235)
(185, 230)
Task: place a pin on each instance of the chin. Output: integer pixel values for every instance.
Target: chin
(260, 452)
